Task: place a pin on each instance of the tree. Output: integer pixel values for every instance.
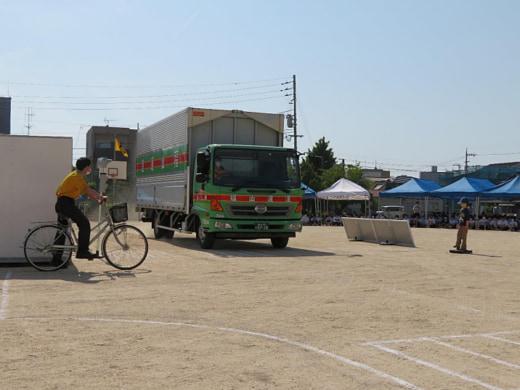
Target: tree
(322, 149)
(317, 162)
(320, 170)
(332, 175)
(325, 175)
(310, 175)
(354, 173)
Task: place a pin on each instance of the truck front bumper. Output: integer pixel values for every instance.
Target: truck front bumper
(226, 228)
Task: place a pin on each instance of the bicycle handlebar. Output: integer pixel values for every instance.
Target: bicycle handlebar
(104, 200)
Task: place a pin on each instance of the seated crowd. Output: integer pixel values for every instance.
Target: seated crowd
(434, 220)
(442, 220)
(327, 220)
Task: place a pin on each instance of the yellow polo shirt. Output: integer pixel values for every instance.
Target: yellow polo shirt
(72, 186)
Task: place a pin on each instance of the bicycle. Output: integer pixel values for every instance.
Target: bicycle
(49, 246)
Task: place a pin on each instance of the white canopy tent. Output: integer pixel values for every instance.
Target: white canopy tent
(344, 189)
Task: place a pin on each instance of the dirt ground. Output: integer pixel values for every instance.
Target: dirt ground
(324, 313)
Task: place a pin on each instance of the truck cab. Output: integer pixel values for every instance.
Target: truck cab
(246, 192)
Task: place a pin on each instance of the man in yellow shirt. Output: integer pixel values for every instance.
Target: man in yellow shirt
(69, 190)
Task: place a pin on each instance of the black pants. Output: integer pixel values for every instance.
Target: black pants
(67, 207)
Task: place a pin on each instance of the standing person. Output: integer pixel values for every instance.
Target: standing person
(416, 214)
(416, 210)
(463, 226)
(69, 190)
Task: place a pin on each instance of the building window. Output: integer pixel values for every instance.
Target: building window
(105, 145)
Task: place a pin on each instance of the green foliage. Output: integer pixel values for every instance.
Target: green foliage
(87, 205)
(332, 175)
(322, 149)
(321, 178)
(355, 174)
(309, 175)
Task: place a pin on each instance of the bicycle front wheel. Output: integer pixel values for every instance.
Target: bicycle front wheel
(125, 247)
(48, 247)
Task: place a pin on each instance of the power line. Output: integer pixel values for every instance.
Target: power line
(137, 86)
(148, 101)
(156, 107)
(148, 96)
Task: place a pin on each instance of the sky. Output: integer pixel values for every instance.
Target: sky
(400, 85)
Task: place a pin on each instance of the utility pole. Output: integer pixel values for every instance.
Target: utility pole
(28, 117)
(467, 161)
(291, 118)
(295, 134)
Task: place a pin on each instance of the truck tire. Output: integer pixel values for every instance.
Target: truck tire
(279, 242)
(206, 240)
(158, 232)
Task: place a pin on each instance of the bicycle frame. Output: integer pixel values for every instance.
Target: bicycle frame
(106, 222)
(101, 227)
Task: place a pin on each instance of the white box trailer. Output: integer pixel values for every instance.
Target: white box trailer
(31, 169)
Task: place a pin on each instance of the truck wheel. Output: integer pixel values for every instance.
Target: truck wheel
(157, 233)
(279, 242)
(206, 240)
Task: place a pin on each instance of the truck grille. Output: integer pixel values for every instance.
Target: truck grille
(245, 211)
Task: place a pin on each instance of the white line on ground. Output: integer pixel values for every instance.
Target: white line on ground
(494, 360)
(436, 367)
(500, 339)
(342, 359)
(5, 296)
(422, 339)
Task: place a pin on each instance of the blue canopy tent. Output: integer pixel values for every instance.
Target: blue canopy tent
(309, 192)
(310, 195)
(508, 190)
(467, 187)
(413, 188)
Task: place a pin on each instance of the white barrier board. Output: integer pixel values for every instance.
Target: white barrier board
(380, 231)
(32, 169)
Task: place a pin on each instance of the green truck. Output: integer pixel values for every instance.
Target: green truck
(221, 174)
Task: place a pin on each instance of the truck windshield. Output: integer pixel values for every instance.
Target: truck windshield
(256, 168)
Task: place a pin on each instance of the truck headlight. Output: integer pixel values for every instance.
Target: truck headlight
(295, 226)
(223, 226)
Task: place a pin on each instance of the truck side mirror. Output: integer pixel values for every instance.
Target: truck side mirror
(201, 177)
(203, 163)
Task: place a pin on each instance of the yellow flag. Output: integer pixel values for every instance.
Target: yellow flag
(119, 148)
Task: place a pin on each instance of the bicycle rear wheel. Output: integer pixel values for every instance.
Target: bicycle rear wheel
(125, 247)
(48, 247)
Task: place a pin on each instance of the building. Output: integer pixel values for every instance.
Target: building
(101, 142)
(496, 173)
(434, 175)
(5, 115)
(376, 174)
